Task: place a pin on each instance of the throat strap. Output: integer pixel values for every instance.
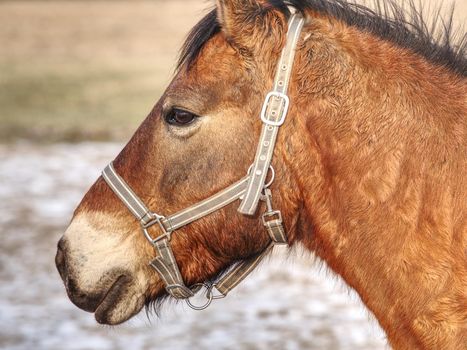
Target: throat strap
(233, 278)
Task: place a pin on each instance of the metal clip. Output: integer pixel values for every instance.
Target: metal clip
(267, 197)
(270, 212)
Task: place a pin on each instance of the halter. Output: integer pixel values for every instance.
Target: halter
(250, 190)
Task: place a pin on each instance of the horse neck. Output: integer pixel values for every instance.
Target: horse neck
(376, 150)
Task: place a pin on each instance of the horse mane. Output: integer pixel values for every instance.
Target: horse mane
(438, 41)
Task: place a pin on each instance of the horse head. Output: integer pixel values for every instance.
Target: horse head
(200, 138)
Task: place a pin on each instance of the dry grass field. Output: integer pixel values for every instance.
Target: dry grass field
(86, 69)
(72, 70)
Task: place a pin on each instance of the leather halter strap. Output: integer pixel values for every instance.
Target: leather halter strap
(175, 221)
(165, 263)
(250, 189)
(273, 114)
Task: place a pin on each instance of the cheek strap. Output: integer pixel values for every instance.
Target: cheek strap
(273, 115)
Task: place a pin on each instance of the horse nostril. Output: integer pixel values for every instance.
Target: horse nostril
(60, 259)
(61, 244)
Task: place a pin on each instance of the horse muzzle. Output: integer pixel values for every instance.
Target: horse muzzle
(107, 298)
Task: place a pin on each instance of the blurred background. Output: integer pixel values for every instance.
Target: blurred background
(76, 79)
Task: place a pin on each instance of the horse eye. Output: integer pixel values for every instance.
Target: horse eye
(180, 117)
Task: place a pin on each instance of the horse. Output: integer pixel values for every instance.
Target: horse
(369, 168)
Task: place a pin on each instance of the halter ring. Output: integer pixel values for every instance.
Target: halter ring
(209, 296)
(273, 175)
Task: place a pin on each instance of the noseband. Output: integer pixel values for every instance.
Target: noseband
(250, 190)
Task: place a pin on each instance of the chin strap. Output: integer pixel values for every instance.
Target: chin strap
(250, 190)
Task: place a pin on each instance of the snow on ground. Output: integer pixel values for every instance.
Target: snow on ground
(287, 304)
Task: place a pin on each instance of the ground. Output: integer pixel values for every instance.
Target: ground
(288, 303)
(74, 70)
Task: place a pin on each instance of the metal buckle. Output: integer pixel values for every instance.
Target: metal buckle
(157, 220)
(270, 214)
(286, 102)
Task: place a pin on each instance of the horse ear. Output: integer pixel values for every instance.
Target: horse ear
(246, 22)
